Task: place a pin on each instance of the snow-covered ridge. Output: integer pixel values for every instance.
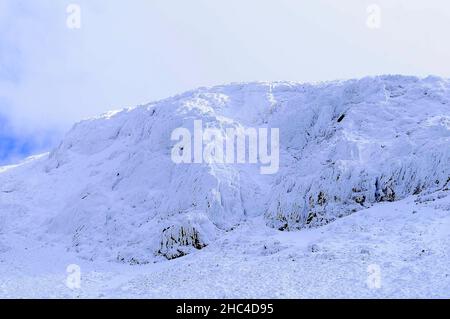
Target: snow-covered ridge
(110, 190)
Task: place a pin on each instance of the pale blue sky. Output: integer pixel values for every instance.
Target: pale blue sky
(133, 52)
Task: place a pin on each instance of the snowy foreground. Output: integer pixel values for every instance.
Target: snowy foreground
(408, 240)
(360, 206)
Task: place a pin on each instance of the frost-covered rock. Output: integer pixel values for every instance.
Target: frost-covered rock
(110, 190)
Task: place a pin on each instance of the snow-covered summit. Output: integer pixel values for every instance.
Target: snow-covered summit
(111, 190)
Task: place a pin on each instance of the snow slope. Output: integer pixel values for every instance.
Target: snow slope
(110, 192)
(407, 240)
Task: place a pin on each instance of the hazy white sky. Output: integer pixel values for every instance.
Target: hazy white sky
(132, 52)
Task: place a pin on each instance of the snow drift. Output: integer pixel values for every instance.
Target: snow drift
(110, 189)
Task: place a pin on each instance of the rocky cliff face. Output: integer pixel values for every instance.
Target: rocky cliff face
(111, 189)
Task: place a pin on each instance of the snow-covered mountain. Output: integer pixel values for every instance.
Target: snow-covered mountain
(110, 191)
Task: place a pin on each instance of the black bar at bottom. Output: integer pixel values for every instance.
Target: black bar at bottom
(208, 308)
